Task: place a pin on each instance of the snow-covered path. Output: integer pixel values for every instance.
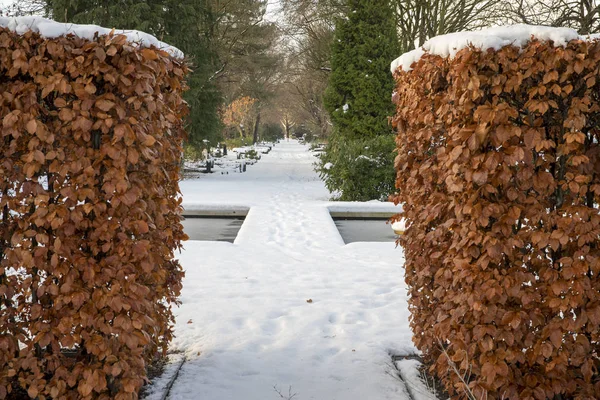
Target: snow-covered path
(245, 324)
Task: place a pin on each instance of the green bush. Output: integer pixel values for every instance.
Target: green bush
(192, 152)
(359, 170)
(237, 142)
(252, 154)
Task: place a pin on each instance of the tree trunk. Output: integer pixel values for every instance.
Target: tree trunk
(256, 125)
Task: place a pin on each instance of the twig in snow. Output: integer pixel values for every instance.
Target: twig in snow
(429, 385)
(289, 396)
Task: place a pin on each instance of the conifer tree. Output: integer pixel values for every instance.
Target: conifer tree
(143, 15)
(188, 26)
(358, 161)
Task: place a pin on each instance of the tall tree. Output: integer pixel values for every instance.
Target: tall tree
(188, 25)
(419, 20)
(581, 15)
(358, 161)
(237, 116)
(146, 16)
(237, 30)
(308, 26)
(246, 52)
(261, 74)
(24, 7)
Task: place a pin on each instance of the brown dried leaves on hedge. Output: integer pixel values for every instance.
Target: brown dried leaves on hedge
(499, 173)
(90, 216)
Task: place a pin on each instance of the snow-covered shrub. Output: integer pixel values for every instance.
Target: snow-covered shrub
(358, 169)
(498, 171)
(252, 154)
(90, 154)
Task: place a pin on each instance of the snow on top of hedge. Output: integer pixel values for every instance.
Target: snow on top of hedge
(494, 38)
(51, 29)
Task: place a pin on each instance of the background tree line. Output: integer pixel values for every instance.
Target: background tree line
(320, 68)
(230, 45)
(335, 60)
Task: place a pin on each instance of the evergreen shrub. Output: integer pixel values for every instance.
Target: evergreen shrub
(358, 101)
(359, 169)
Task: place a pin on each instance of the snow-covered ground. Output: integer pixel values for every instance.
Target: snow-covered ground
(288, 306)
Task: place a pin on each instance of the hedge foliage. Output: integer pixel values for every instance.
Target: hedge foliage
(90, 151)
(498, 169)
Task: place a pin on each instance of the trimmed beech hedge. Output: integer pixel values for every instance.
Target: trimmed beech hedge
(498, 171)
(90, 155)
